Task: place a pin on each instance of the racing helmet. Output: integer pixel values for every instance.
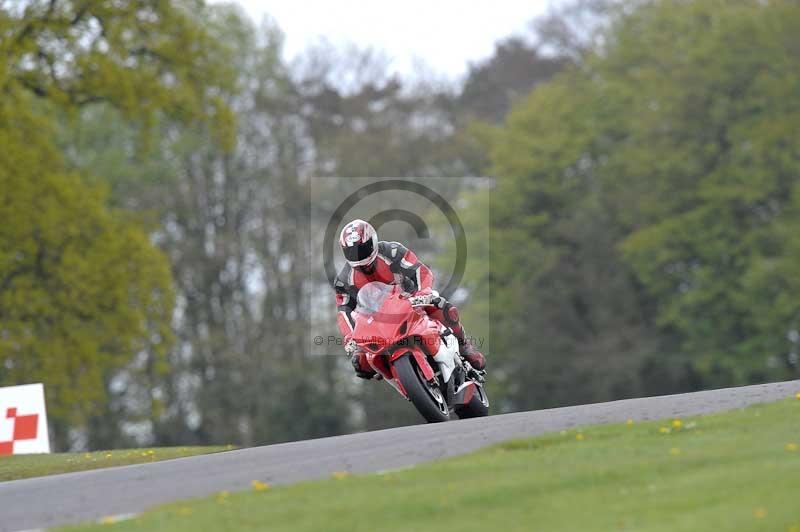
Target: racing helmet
(359, 243)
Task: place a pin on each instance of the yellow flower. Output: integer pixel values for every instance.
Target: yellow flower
(579, 437)
(797, 396)
(629, 422)
(792, 447)
(664, 430)
(677, 424)
(108, 455)
(259, 486)
(222, 497)
(339, 475)
(674, 451)
(108, 520)
(760, 513)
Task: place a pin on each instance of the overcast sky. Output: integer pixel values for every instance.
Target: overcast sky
(444, 34)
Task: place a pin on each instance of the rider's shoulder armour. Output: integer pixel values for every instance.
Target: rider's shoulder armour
(394, 252)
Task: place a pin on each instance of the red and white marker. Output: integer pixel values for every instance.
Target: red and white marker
(23, 420)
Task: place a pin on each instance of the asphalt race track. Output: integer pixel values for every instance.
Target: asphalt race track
(85, 496)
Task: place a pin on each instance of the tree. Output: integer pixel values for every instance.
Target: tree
(84, 293)
(232, 223)
(561, 299)
(644, 210)
(717, 131)
(144, 58)
(513, 71)
(86, 298)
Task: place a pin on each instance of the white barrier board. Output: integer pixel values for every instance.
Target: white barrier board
(23, 420)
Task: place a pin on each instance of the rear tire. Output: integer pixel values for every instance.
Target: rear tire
(478, 406)
(421, 393)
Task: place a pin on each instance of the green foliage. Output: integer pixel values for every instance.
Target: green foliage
(83, 290)
(511, 73)
(86, 299)
(644, 227)
(165, 76)
(229, 221)
(719, 128)
(142, 57)
(646, 216)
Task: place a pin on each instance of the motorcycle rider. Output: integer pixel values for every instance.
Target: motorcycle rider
(369, 259)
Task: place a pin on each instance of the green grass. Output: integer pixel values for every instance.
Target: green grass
(37, 465)
(732, 471)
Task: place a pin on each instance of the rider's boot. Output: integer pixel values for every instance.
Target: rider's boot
(448, 315)
(469, 351)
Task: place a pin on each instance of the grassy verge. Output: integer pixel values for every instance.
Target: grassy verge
(37, 465)
(732, 471)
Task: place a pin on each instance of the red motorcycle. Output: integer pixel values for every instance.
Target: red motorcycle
(417, 355)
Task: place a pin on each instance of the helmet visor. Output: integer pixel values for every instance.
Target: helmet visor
(359, 251)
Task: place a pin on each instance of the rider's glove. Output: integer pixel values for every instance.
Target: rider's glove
(427, 297)
(350, 347)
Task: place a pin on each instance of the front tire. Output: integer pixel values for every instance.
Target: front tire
(426, 397)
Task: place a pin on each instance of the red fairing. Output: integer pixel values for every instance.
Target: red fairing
(414, 353)
(387, 334)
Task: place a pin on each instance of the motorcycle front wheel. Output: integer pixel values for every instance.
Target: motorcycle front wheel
(425, 396)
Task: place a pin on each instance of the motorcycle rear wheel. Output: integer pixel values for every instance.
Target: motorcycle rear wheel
(478, 405)
(426, 397)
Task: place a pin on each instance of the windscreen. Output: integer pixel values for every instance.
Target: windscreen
(371, 297)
